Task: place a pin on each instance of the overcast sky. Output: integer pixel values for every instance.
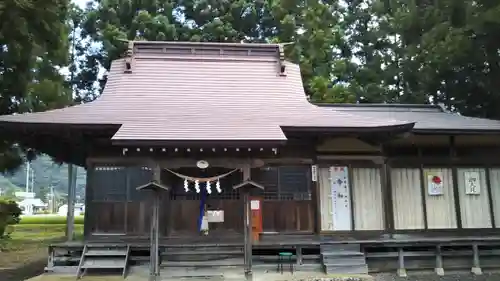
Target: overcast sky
(80, 3)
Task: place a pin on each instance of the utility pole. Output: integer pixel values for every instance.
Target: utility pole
(32, 180)
(27, 176)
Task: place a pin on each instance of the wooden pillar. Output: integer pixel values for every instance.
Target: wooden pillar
(88, 222)
(476, 266)
(315, 192)
(154, 188)
(385, 178)
(423, 189)
(490, 196)
(155, 269)
(70, 218)
(454, 174)
(248, 223)
(439, 261)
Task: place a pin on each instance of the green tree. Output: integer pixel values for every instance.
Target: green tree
(33, 47)
(440, 51)
(10, 214)
(311, 26)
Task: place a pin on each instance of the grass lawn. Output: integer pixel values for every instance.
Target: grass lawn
(29, 242)
(25, 253)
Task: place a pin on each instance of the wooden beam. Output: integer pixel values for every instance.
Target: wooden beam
(174, 163)
(423, 193)
(490, 198)
(315, 193)
(454, 174)
(70, 220)
(350, 177)
(385, 178)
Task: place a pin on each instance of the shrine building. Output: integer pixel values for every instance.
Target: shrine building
(209, 155)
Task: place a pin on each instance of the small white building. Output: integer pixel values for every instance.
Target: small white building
(79, 210)
(31, 205)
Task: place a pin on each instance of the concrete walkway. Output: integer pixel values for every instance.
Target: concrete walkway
(257, 277)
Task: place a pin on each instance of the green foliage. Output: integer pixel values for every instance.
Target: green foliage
(33, 47)
(48, 220)
(9, 214)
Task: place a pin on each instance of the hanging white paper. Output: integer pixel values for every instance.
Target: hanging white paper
(472, 183)
(435, 185)
(341, 204)
(215, 216)
(314, 173)
(255, 204)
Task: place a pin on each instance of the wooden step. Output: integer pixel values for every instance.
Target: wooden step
(213, 263)
(342, 254)
(103, 263)
(209, 252)
(106, 252)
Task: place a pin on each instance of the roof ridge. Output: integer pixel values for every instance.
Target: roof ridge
(207, 58)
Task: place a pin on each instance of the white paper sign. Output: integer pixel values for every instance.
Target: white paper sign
(435, 184)
(314, 173)
(255, 204)
(339, 182)
(215, 216)
(472, 183)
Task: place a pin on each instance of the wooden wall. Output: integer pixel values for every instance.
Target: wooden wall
(114, 206)
(401, 200)
(288, 204)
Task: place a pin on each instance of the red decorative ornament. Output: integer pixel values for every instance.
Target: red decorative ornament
(436, 180)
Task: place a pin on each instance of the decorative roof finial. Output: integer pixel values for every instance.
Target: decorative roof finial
(129, 57)
(282, 66)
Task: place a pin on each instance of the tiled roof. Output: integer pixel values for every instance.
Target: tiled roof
(425, 117)
(204, 91)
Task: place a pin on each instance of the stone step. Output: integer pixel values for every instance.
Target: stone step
(212, 274)
(346, 269)
(351, 260)
(340, 247)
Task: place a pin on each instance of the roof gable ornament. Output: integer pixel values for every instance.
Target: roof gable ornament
(129, 57)
(282, 66)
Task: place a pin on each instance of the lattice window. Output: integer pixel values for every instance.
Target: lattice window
(284, 183)
(109, 183)
(138, 176)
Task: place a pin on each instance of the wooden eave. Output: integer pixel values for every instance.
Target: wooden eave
(394, 129)
(455, 132)
(200, 143)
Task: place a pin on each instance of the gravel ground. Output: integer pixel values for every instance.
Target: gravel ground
(433, 277)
